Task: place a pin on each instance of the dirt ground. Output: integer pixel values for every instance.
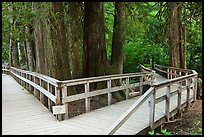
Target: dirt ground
(190, 123)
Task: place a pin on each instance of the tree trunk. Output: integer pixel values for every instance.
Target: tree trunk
(29, 50)
(184, 38)
(118, 38)
(174, 34)
(94, 49)
(40, 40)
(15, 56)
(22, 54)
(74, 12)
(95, 61)
(59, 45)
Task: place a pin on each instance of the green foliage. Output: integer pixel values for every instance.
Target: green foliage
(146, 36)
(198, 132)
(163, 132)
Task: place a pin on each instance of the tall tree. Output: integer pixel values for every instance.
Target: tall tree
(175, 41)
(40, 39)
(95, 61)
(118, 38)
(94, 49)
(59, 43)
(184, 39)
(75, 27)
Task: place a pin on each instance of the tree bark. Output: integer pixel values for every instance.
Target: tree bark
(29, 50)
(184, 38)
(95, 61)
(118, 38)
(94, 49)
(15, 55)
(75, 25)
(174, 34)
(40, 40)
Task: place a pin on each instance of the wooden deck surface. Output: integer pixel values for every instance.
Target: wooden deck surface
(24, 114)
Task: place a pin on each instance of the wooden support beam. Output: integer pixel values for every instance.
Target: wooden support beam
(127, 87)
(64, 93)
(87, 99)
(141, 85)
(188, 95)
(152, 109)
(179, 99)
(42, 100)
(109, 93)
(167, 109)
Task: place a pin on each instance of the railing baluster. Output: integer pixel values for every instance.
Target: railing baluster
(49, 101)
(141, 85)
(87, 99)
(179, 99)
(152, 110)
(167, 73)
(170, 73)
(42, 100)
(188, 95)
(167, 103)
(64, 93)
(109, 93)
(195, 87)
(127, 85)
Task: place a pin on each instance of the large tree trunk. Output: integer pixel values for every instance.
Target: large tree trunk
(29, 50)
(184, 38)
(118, 38)
(174, 34)
(75, 26)
(40, 40)
(22, 54)
(59, 45)
(15, 56)
(94, 49)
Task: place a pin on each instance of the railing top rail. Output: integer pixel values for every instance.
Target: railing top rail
(173, 68)
(83, 80)
(170, 81)
(101, 78)
(47, 78)
(148, 69)
(130, 111)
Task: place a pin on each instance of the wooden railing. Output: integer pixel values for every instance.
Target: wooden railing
(45, 89)
(150, 94)
(108, 90)
(52, 92)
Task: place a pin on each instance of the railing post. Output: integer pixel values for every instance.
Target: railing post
(64, 94)
(175, 73)
(186, 80)
(127, 85)
(188, 95)
(167, 110)
(141, 85)
(36, 93)
(42, 100)
(170, 73)
(195, 87)
(58, 90)
(179, 73)
(49, 101)
(87, 99)
(167, 73)
(179, 99)
(109, 93)
(152, 110)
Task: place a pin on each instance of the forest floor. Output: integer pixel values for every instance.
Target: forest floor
(190, 123)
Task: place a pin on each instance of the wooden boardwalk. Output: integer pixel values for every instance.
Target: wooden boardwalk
(24, 114)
